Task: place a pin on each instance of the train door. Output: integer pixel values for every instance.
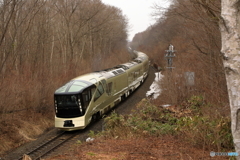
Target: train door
(109, 88)
(99, 98)
(86, 97)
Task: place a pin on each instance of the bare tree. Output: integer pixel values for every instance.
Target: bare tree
(230, 49)
(43, 40)
(7, 10)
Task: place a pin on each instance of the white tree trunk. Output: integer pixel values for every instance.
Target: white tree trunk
(230, 31)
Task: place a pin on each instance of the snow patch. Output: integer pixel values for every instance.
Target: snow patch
(89, 139)
(155, 89)
(166, 105)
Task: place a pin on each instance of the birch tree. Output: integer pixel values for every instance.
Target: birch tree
(230, 32)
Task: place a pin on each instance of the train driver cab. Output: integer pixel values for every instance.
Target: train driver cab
(72, 99)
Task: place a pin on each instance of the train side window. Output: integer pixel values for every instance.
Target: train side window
(133, 75)
(104, 83)
(100, 88)
(87, 96)
(109, 88)
(93, 90)
(97, 95)
(99, 91)
(137, 73)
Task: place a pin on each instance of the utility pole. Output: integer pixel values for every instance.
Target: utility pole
(169, 55)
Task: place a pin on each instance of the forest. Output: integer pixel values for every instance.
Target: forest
(45, 43)
(192, 27)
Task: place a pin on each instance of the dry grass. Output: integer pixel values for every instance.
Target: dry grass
(19, 128)
(140, 148)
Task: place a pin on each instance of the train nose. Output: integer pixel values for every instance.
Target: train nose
(68, 123)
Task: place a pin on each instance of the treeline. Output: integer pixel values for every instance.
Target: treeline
(44, 43)
(192, 26)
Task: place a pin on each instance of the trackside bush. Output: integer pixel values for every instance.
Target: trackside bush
(207, 132)
(185, 121)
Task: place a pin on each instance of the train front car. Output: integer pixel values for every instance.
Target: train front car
(71, 102)
(92, 95)
(88, 97)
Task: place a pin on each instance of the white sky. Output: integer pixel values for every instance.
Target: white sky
(138, 13)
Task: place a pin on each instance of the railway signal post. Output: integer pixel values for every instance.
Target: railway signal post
(169, 55)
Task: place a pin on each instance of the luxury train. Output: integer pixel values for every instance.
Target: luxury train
(87, 97)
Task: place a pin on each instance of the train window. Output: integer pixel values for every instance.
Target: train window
(66, 100)
(63, 88)
(93, 90)
(68, 106)
(114, 72)
(133, 75)
(74, 88)
(120, 71)
(99, 91)
(77, 86)
(109, 88)
(137, 73)
(80, 83)
(104, 83)
(86, 96)
(100, 88)
(124, 67)
(97, 95)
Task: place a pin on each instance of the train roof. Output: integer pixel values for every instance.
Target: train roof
(127, 65)
(73, 87)
(112, 72)
(78, 84)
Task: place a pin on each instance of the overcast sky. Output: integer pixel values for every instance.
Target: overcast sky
(138, 13)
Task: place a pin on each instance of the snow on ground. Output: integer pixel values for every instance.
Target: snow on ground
(166, 105)
(155, 89)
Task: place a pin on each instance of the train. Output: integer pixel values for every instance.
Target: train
(88, 97)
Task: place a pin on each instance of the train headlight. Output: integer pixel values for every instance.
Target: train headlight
(80, 107)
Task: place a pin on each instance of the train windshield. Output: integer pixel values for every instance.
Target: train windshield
(68, 106)
(73, 87)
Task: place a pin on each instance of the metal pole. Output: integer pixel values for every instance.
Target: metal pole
(169, 55)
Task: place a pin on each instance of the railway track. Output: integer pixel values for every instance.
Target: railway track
(50, 145)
